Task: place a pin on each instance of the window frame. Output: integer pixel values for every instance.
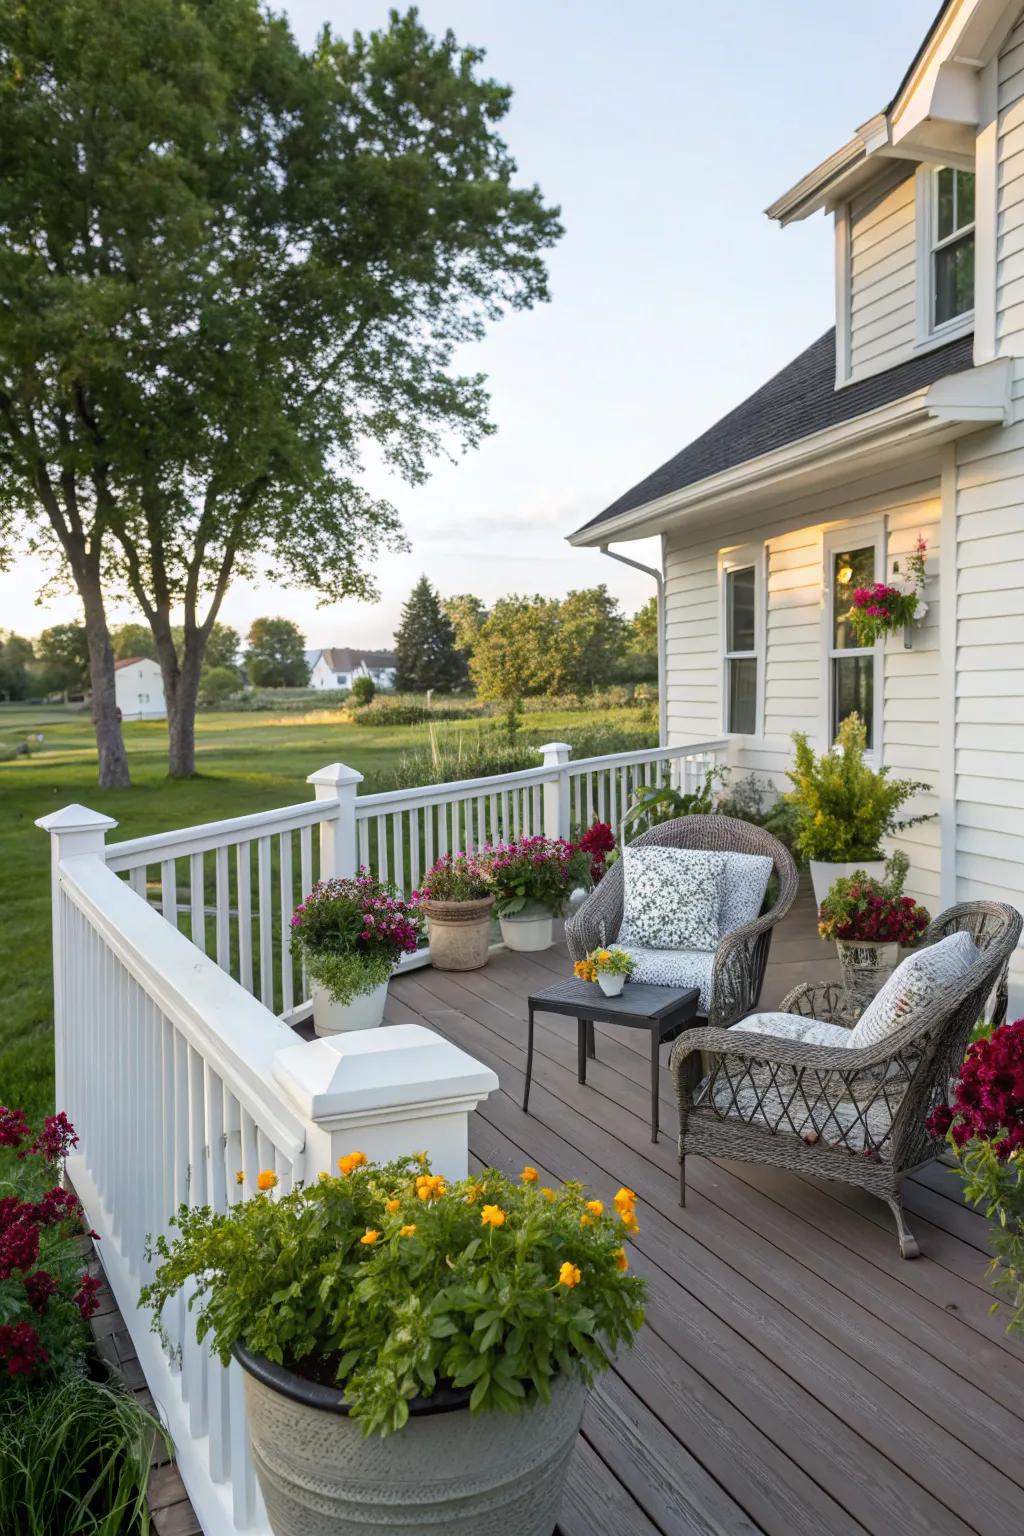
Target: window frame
(743, 558)
(834, 540)
(929, 332)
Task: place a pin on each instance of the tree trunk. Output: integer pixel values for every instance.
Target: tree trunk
(110, 748)
(181, 720)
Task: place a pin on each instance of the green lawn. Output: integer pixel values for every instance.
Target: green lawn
(246, 761)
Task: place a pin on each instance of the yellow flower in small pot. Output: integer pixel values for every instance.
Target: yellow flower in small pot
(611, 968)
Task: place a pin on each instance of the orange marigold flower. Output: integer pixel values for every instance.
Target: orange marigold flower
(430, 1186)
(240, 1177)
(391, 1206)
(492, 1216)
(595, 1207)
(621, 1259)
(323, 1177)
(629, 1221)
(369, 1237)
(549, 1194)
(408, 1230)
(529, 1175)
(350, 1162)
(266, 1179)
(569, 1275)
(586, 1221)
(624, 1200)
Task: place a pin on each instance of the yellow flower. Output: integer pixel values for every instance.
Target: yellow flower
(629, 1221)
(391, 1206)
(529, 1175)
(239, 1177)
(621, 1260)
(624, 1199)
(421, 1158)
(549, 1194)
(407, 1231)
(266, 1179)
(492, 1216)
(569, 1276)
(586, 1221)
(350, 1162)
(595, 1207)
(369, 1237)
(430, 1186)
(323, 1177)
(602, 956)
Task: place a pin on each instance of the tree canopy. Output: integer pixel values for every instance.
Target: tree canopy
(544, 645)
(63, 654)
(276, 656)
(426, 652)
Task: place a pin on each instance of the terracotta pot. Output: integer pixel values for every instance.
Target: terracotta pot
(824, 874)
(865, 966)
(365, 1011)
(447, 1473)
(459, 933)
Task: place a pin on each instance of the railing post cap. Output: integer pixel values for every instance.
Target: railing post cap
(75, 818)
(555, 746)
(335, 773)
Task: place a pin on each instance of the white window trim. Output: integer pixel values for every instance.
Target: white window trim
(740, 559)
(930, 335)
(852, 535)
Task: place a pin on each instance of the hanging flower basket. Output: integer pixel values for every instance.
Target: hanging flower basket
(885, 607)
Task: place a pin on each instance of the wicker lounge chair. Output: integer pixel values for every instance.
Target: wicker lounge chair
(857, 1115)
(740, 959)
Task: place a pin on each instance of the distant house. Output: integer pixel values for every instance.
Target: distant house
(339, 666)
(139, 688)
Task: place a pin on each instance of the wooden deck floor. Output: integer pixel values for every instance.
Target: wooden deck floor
(795, 1376)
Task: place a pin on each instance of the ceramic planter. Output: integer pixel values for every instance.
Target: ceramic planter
(865, 967)
(447, 1473)
(824, 875)
(528, 931)
(610, 985)
(365, 1011)
(459, 932)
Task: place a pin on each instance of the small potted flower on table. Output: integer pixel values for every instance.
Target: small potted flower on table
(351, 933)
(611, 968)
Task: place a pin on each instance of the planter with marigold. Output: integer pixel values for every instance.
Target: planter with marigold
(610, 968)
(465, 1319)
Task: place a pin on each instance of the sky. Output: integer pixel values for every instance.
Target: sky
(662, 128)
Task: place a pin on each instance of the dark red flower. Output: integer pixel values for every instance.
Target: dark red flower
(940, 1120)
(57, 1205)
(20, 1347)
(39, 1287)
(19, 1245)
(56, 1138)
(14, 1128)
(86, 1298)
(989, 1099)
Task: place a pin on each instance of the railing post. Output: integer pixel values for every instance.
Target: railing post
(556, 794)
(339, 853)
(75, 832)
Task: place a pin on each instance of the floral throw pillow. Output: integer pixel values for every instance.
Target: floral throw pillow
(672, 899)
(914, 987)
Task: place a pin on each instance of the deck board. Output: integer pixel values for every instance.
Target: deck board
(794, 1374)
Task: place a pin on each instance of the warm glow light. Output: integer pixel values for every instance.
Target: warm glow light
(844, 575)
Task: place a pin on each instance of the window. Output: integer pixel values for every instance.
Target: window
(852, 668)
(741, 614)
(952, 245)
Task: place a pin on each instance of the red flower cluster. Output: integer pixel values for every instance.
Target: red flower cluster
(877, 600)
(20, 1347)
(884, 920)
(56, 1138)
(14, 1128)
(597, 841)
(19, 1242)
(38, 1289)
(989, 1099)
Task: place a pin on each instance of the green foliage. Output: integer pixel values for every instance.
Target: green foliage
(466, 613)
(276, 656)
(133, 639)
(427, 655)
(217, 685)
(996, 1185)
(465, 1283)
(63, 652)
(478, 751)
(655, 806)
(363, 690)
(74, 1460)
(533, 872)
(858, 907)
(352, 932)
(844, 808)
(534, 646)
(387, 710)
(17, 657)
(753, 799)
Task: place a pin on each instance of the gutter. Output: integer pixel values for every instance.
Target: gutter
(659, 582)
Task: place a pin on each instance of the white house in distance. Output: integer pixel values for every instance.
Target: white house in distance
(139, 689)
(339, 666)
(905, 419)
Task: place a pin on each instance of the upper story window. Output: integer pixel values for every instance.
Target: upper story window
(952, 245)
(742, 650)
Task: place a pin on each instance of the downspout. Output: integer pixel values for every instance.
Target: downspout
(659, 582)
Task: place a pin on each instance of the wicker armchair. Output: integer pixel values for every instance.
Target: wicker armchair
(741, 956)
(831, 1111)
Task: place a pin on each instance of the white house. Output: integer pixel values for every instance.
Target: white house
(139, 688)
(339, 666)
(905, 419)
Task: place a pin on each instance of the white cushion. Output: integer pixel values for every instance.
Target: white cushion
(675, 968)
(672, 898)
(795, 1026)
(914, 987)
(744, 883)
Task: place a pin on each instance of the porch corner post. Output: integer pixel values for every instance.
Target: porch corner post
(556, 754)
(338, 846)
(75, 832)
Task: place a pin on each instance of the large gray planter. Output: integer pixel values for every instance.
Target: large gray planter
(460, 933)
(447, 1473)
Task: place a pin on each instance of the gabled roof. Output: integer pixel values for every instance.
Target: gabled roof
(798, 401)
(343, 658)
(131, 661)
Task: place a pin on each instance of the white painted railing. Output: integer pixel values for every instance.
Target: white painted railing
(232, 886)
(177, 1080)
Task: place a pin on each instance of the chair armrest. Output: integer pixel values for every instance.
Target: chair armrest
(824, 1000)
(770, 1048)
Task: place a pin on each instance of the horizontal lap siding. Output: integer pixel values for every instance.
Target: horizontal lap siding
(1010, 196)
(692, 643)
(882, 279)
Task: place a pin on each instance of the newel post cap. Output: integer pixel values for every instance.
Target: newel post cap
(335, 774)
(560, 750)
(75, 818)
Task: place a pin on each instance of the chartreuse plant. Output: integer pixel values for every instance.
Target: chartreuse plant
(390, 1281)
(605, 962)
(843, 806)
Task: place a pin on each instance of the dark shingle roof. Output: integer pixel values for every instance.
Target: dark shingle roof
(798, 401)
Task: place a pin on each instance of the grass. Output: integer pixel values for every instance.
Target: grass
(246, 762)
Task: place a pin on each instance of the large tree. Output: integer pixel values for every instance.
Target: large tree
(227, 268)
(276, 657)
(63, 652)
(426, 654)
(512, 655)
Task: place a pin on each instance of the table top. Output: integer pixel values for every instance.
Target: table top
(638, 1000)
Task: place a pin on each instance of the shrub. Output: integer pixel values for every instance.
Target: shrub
(541, 871)
(486, 1283)
(454, 877)
(352, 932)
(843, 807)
(655, 806)
(985, 1128)
(859, 908)
(756, 800)
(363, 690)
(217, 685)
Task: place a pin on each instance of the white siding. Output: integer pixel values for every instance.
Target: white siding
(1010, 196)
(882, 278)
